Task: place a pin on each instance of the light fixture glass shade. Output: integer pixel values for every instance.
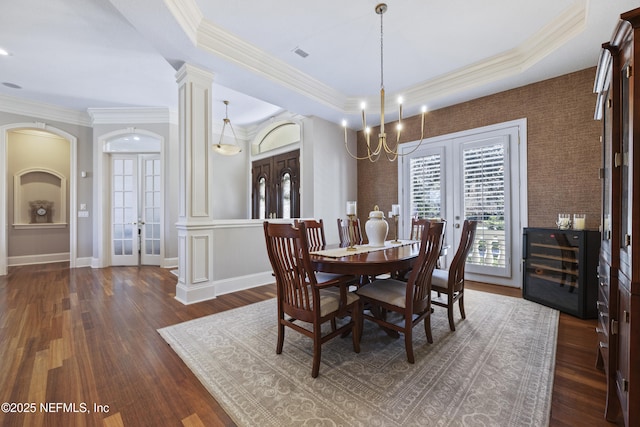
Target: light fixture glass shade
(226, 149)
(221, 147)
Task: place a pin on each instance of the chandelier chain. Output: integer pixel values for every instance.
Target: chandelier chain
(381, 52)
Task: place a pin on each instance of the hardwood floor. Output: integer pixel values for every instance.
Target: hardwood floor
(85, 340)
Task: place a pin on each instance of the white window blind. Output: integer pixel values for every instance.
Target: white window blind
(425, 191)
(484, 200)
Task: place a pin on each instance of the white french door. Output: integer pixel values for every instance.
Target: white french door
(472, 175)
(135, 209)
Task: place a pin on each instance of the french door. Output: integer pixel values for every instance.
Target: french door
(136, 208)
(275, 189)
(471, 175)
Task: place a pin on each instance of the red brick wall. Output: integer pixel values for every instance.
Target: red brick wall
(564, 153)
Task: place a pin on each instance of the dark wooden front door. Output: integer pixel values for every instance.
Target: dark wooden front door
(276, 186)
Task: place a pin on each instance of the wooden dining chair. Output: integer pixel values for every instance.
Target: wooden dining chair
(302, 298)
(411, 299)
(345, 229)
(417, 227)
(315, 232)
(449, 284)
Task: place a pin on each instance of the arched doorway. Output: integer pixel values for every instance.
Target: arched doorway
(130, 188)
(7, 218)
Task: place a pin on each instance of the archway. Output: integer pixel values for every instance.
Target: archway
(122, 141)
(4, 164)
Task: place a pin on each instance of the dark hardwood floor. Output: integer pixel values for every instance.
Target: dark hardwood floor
(86, 340)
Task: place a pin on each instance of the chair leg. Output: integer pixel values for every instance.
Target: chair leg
(356, 315)
(317, 349)
(461, 305)
(427, 329)
(280, 337)
(450, 307)
(408, 343)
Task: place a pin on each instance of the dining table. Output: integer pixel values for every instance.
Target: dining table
(365, 260)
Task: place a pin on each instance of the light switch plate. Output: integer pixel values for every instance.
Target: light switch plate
(83, 214)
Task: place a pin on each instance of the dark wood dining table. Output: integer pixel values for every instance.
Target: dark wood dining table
(380, 261)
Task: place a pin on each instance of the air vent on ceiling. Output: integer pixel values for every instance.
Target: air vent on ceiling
(300, 52)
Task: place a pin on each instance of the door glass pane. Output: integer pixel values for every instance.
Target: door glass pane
(118, 183)
(425, 181)
(263, 198)
(151, 211)
(624, 171)
(484, 200)
(286, 195)
(124, 206)
(606, 179)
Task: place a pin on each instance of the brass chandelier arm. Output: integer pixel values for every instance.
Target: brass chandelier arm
(372, 156)
(391, 153)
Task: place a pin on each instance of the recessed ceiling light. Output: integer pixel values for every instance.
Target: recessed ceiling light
(3, 52)
(11, 85)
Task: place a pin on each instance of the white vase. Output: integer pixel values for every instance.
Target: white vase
(376, 228)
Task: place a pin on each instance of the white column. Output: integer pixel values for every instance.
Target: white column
(195, 218)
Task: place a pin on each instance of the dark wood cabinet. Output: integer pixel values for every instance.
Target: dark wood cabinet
(560, 269)
(618, 330)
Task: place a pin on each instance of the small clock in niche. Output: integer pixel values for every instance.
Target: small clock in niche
(41, 211)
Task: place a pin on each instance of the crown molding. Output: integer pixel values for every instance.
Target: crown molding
(23, 107)
(235, 50)
(211, 38)
(551, 37)
(215, 40)
(101, 116)
(188, 15)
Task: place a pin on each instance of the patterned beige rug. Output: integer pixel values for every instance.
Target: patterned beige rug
(496, 369)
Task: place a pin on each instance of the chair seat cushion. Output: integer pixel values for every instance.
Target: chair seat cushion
(330, 300)
(390, 291)
(440, 279)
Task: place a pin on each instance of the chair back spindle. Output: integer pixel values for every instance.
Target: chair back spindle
(420, 277)
(314, 232)
(348, 230)
(459, 261)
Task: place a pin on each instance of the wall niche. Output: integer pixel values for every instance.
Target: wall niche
(39, 199)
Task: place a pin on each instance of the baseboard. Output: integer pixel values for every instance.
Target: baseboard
(240, 283)
(170, 263)
(206, 291)
(84, 262)
(37, 259)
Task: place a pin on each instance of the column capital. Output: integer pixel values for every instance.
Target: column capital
(190, 72)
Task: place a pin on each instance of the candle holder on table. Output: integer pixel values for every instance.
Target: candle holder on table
(395, 220)
(351, 213)
(352, 233)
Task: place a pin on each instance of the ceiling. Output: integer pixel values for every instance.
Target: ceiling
(82, 54)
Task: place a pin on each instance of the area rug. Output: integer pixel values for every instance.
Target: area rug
(496, 369)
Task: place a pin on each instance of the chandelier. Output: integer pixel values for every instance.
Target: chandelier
(221, 147)
(390, 151)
